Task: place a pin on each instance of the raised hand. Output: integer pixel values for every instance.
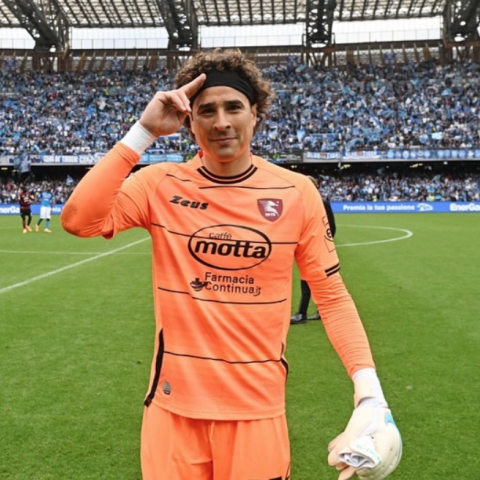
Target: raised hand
(166, 112)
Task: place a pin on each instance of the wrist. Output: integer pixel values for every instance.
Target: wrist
(368, 390)
(138, 138)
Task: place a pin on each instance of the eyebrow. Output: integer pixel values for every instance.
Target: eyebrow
(228, 103)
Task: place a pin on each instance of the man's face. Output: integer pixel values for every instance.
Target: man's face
(223, 122)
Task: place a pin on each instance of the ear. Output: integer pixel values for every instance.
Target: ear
(254, 114)
(192, 124)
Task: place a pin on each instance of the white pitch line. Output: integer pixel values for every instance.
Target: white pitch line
(46, 252)
(68, 267)
(403, 237)
(396, 239)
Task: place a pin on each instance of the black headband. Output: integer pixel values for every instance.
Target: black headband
(228, 78)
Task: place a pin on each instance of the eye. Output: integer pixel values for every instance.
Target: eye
(206, 111)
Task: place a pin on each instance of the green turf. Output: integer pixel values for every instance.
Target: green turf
(75, 350)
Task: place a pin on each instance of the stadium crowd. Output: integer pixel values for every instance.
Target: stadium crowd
(391, 188)
(361, 107)
(61, 190)
(338, 187)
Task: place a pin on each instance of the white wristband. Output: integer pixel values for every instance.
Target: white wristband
(138, 138)
(367, 388)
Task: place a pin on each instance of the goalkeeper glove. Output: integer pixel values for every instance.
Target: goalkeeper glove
(371, 445)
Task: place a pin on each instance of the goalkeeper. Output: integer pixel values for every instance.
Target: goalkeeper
(226, 228)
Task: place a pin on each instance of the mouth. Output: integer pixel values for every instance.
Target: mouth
(223, 141)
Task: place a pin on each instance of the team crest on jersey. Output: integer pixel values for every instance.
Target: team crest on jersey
(270, 208)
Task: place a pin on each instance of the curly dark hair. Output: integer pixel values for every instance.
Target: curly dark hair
(233, 60)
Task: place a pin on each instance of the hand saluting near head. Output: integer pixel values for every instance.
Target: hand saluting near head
(166, 112)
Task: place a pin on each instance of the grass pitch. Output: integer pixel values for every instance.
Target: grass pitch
(76, 340)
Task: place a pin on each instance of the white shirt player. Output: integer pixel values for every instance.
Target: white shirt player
(46, 199)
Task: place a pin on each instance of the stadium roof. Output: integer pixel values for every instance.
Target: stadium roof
(148, 13)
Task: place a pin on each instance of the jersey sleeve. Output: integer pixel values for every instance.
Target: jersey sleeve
(105, 201)
(319, 266)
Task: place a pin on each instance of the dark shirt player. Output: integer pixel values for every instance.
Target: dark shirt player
(25, 201)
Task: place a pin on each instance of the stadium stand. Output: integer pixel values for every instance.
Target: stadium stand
(318, 109)
(357, 116)
(364, 185)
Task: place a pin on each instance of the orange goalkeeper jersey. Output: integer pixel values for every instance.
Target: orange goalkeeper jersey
(223, 251)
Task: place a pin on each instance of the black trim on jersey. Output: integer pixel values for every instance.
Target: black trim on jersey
(328, 270)
(221, 177)
(238, 178)
(177, 178)
(219, 301)
(158, 369)
(171, 231)
(332, 270)
(287, 476)
(231, 362)
(284, 362)
(206, 238)
(247, 188)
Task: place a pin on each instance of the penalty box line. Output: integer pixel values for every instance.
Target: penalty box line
(68, 267)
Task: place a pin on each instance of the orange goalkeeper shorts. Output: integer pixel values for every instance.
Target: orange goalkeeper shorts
(180, 448)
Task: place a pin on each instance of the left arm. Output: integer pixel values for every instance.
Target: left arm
(319, 265)
(371, 433)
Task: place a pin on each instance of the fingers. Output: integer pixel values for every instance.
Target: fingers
(190, 89)
(336, 441)
(180, 99)
(332, 458)
(334, 447)
(347, 473)
(177, 99)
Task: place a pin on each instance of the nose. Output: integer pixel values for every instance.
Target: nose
(222, 121)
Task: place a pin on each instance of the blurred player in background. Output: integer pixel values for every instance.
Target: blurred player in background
(226, 228)
(46, 205)
(25, 201)
(301, 315)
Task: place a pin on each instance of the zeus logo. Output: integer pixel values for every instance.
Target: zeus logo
(188, 203)
(229, 247)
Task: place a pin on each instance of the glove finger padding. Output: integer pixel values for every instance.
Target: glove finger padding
(333, 449)
(347, 473)
(388, 445)
(371, 444)
(362, 422)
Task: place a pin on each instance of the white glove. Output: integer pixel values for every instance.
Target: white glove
(370, 447)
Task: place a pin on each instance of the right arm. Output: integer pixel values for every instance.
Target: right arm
(103, 203)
